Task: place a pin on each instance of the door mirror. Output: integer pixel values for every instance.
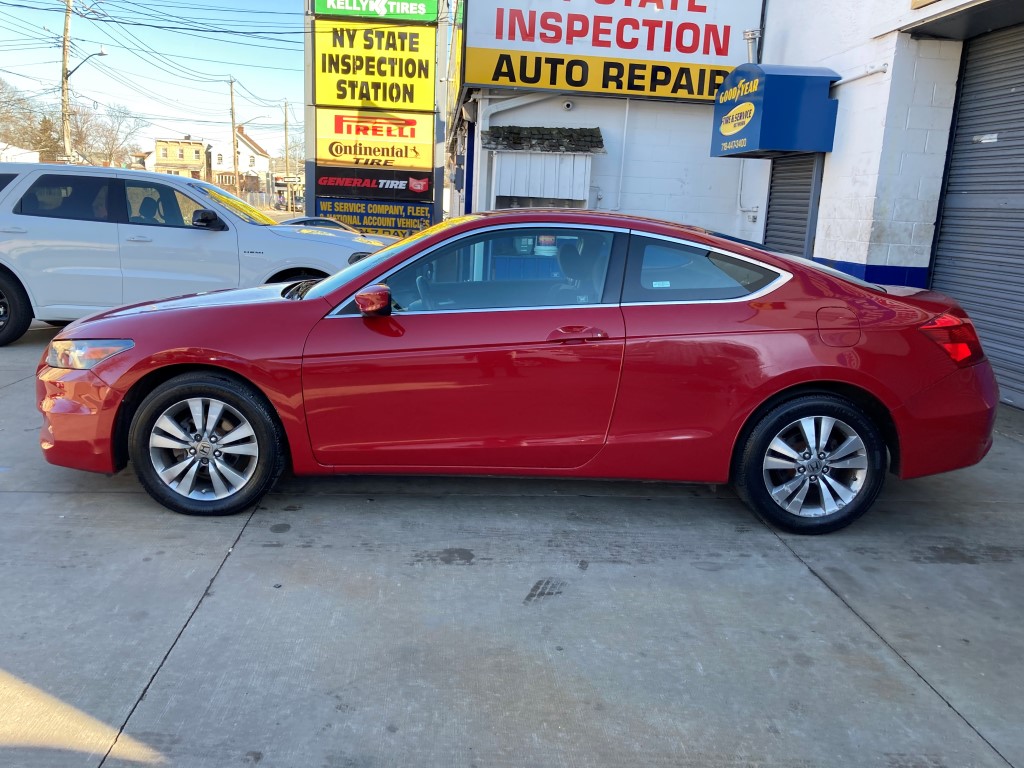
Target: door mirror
(374, 301)
(204, 218)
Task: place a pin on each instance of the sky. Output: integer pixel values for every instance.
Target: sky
(169, 63)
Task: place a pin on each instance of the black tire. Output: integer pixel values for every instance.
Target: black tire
(200, 476)
(801, 490)
(15, 310)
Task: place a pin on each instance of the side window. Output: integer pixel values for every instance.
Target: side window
(662, 271)
(507, 269)
(5, 179)
(158, 205)
(66, 196)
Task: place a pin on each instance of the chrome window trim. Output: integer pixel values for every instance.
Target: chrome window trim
(336, 312)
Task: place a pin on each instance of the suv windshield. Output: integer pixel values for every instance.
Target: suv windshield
(236, 205)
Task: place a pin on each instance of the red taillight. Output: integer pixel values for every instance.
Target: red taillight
(957, 336)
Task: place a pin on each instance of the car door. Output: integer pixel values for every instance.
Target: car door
(59, 235)
(162, 254)
(492, 357)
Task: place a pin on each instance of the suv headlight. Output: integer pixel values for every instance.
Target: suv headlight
(83, 354)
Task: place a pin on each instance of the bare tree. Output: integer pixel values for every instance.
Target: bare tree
(114, 136)
(19, 117)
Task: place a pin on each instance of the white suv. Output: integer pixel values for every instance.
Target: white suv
(76, 240)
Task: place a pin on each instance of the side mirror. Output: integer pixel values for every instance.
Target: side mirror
(204, 218)
(374, 301)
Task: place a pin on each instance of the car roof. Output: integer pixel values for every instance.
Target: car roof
(596, 218)
(97, 170)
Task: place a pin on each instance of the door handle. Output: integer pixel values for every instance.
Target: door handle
(140, 239)
(577, 334)
(14, 230)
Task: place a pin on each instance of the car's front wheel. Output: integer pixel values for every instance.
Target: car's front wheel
(204, 444)
(812, 465)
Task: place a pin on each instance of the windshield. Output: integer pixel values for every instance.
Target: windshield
(367, 264)
(236, 205)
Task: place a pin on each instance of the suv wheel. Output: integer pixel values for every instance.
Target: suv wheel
(15, 310)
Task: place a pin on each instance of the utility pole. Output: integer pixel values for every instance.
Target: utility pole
(234, 136)
(287, 165)
(65, 114)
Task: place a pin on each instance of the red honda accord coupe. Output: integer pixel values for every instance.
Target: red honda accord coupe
(529, 342)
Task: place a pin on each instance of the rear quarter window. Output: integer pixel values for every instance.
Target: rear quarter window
(665, 271)
(5, 179)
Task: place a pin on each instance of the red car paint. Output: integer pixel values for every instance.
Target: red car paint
(634, 390)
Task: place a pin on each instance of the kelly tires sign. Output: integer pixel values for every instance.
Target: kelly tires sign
(383, 10)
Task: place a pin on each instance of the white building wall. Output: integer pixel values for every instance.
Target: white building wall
(882, 181)
(657, 161)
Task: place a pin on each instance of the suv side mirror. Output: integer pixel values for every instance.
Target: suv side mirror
(204, 218)
(374, 301)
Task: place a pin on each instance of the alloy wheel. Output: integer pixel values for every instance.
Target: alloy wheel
(203, 448)
(815, 466)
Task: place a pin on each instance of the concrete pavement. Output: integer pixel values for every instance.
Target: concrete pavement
(364, 621)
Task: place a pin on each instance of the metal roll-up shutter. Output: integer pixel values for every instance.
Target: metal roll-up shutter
(792, 204)
(979, 251)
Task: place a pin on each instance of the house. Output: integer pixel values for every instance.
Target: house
(12, 154)
(253, 163)
(181, 157)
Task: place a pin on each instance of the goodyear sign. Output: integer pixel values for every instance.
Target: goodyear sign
(764, 110)
(374, 139)
(672, 49)
(424, 11)
(373, 66)
(379, 217)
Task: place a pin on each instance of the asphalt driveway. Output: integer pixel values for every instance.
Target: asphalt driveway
(362, 621)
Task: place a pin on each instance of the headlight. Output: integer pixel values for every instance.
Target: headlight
(83, 354)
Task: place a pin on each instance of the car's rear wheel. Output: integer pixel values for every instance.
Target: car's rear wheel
(812, 465)
(204, 444)
(15, 310)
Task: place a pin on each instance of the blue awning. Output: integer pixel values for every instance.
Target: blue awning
(765, 110)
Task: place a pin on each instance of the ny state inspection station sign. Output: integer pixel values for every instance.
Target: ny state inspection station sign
(671, 49)
(373, 66)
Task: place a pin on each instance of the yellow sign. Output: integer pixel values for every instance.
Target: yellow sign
(380, 139)
(736, 119)
(594, 74)
(376, 66)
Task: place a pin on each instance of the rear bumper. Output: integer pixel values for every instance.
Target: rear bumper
(78, 419)
(949, 425)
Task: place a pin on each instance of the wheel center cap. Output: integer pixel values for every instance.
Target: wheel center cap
(814, 466)
(204, 449)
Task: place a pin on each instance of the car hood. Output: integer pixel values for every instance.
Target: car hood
(334, 237)
(258, 295)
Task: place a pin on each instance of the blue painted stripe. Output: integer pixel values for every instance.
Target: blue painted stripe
(885, 274)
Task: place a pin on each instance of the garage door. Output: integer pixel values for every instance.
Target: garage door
(979, 256)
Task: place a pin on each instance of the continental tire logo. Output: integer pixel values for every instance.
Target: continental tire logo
(360, 150)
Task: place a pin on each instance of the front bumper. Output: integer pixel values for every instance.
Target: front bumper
(949, 425)
(79, 411)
